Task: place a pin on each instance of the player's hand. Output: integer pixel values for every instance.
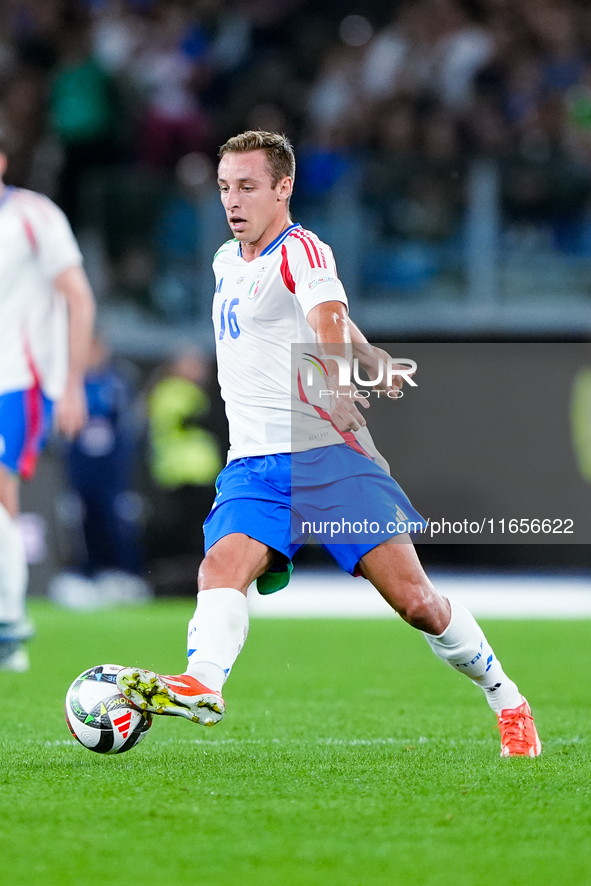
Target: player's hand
(71, 414)
(344, 412)
(371, 362)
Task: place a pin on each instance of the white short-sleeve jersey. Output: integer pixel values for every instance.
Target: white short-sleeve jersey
(259, 312)
(37, 245)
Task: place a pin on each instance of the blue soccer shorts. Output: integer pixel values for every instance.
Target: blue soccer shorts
(333, 493)
(25, 424)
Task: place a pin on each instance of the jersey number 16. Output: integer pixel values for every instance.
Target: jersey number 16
(233, 327)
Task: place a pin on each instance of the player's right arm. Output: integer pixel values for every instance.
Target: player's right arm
(60, 262)
(71, 410)
(330, 323)
(309, 272)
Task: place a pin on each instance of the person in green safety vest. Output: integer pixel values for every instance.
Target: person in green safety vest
(184, 459)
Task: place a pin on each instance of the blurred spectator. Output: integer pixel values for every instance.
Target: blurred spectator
(7, 50)
(118, 31)
(578, 119)
(333, 97)
(462, 49)
(170, 69)
(82, 108)
(22, 113)
(485, 130)
(328, 156)
(523, 87)
(393, 164)
(434, 198)
(36, 27)
(429, 48)
(184, 463)
(179, 230)
(102, 510)
(544, 183)
(413, 192)
(555, 26)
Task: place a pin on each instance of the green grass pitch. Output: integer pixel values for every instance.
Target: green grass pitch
(349, 757)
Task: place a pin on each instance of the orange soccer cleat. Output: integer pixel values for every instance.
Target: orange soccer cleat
(519, 736)
(180, 696)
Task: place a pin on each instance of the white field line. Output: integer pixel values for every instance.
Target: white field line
(320, 742)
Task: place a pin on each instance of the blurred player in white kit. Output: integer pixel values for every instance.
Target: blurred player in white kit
(277, 285)
(46, 320)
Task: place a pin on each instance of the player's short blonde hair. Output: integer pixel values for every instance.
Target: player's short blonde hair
(279, 150)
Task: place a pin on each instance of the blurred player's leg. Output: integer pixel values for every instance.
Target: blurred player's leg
(24, 418)
(14, 628)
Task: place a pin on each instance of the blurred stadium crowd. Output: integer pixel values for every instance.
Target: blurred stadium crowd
(395, 99)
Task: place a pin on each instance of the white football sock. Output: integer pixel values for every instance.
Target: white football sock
(217, 633)
(13, 569)
(464, 646)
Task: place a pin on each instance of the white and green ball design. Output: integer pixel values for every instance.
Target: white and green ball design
(100, 717)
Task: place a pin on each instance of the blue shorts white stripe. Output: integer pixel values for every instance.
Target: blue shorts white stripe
(342, 498)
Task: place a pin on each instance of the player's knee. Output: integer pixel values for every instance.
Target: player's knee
(424, 609)
(211, 572)
(234, 564)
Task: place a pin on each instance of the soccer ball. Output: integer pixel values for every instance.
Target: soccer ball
(100, 717)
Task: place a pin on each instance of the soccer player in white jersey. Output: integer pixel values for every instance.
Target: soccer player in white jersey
(276, 285)
(46, 319)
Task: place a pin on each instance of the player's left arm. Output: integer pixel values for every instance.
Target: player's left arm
(71, 411)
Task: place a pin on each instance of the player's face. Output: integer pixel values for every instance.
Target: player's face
(256, 211)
